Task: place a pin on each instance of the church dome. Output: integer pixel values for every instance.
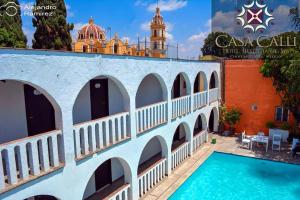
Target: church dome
(91, 31)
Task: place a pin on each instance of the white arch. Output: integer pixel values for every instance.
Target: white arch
(50, 98)
(217, 82)
(43, 195)
(124, 163)
(216, 118)
(203, 74)
(187, 131)
(120, 86)
(187, 81)
(203, 119)
(163, 88)
(163, 145)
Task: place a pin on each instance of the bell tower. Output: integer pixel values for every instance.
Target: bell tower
(158, 35)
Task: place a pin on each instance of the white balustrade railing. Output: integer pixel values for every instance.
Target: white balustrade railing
(152, 176)
(120, 194)
(29, 157)
(95, 135)
(148, 117)
(199, 139)
(200, 99)
(213, 94)
(180, 154)
(181, 106)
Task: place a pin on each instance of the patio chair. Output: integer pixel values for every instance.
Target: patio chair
(261, 134)
(245, 141)
(276, 143)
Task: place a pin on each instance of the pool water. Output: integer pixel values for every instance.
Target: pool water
(230, 177)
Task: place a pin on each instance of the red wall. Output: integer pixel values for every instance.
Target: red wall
(245, 86)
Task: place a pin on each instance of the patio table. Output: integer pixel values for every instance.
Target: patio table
(260, 139)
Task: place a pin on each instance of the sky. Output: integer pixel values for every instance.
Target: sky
(188, 21)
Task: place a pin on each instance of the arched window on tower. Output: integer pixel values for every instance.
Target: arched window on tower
(116, 46)
(91, 36)
(155, 33)
(101, 36)
(155, 45)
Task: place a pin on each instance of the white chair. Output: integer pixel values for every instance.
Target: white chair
(261, 134)
(276, 143)
(245, 140)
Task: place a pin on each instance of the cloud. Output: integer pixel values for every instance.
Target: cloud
(168, 5)
(69, 12)
(198, 37)
(169, 37)
(74, 32)
(145, 26)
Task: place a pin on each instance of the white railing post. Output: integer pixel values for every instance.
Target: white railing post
(150, 116)
(31, 150)
(151, 177)
(92, 136)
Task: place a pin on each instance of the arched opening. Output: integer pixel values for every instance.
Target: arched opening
(200, 124)
(30, 127)
(214, 81)
(100, 97)
(116, 47)
(100, 115)
(200, 84)
(26, 110)
(111, 177)
(180, 145)
(42, 197)
(152, 164)
(151, 90)
(213, 120)
(155, 33)
(181, 99)
(154, 151)
(180, 137)
(180, 86)
(151, 103)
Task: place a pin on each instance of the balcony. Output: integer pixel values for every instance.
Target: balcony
(199, 139)
(200, 99)
(213, 95)
(151, 116)
(99, 134)
(28, 158)
(181, 106)
(151, 176)
(180, 154)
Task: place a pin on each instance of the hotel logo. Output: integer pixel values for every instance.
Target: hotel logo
(254, 16)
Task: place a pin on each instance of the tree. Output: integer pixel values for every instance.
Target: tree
(52, 29)
(232, 117)
(11, 34)
(285, 75)
(295, 18)
(233, 48)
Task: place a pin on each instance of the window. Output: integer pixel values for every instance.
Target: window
(281, 114)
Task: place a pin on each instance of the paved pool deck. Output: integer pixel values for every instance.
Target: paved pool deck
(230, 145)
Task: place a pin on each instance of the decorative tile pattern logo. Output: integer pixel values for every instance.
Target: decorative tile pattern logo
(254, 16)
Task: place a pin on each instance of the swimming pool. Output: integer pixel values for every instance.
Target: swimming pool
(230, 177)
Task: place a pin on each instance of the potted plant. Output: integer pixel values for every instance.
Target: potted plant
(222, 111)
(270, 125)
(232, 117)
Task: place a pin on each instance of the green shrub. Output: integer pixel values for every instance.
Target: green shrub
(285, 126)
(270, 125)
(214, 141)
